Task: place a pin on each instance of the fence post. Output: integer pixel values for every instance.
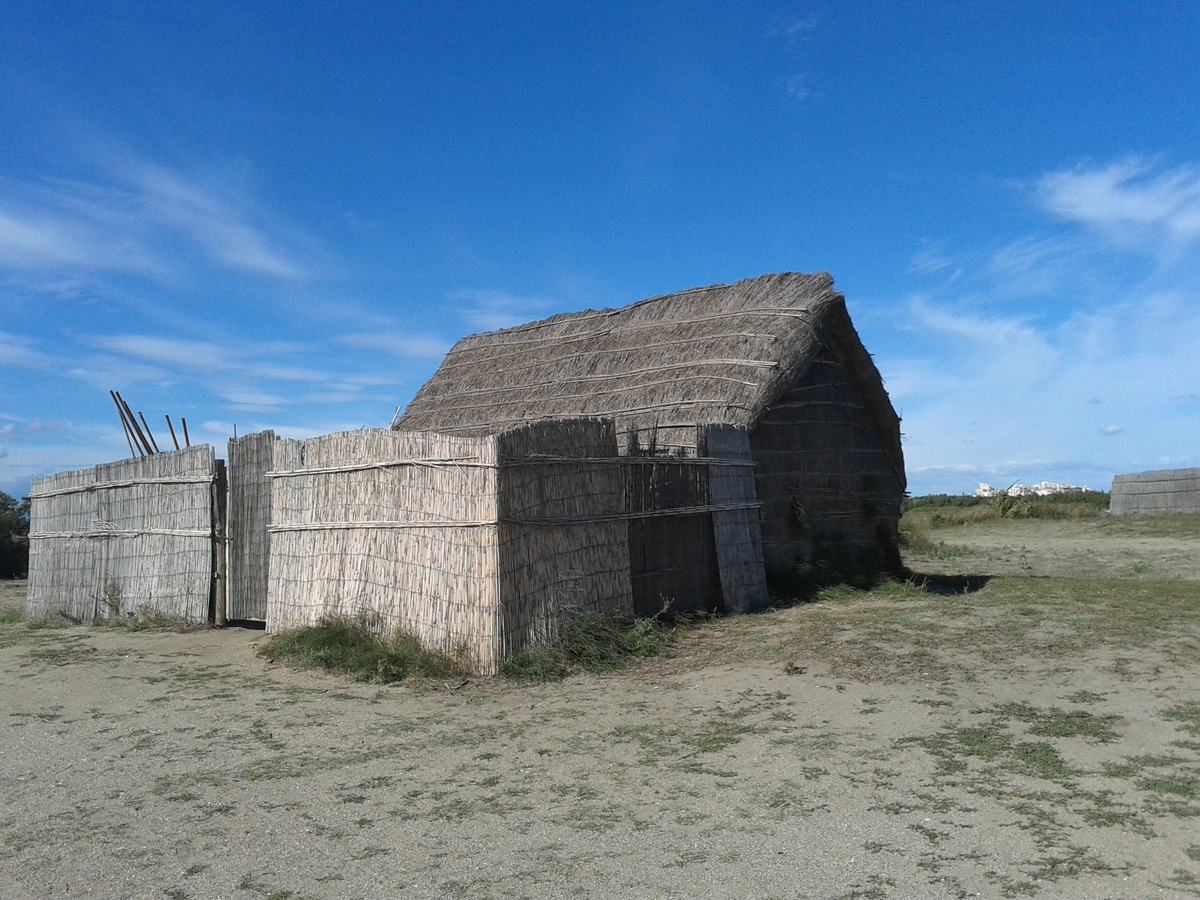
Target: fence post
(220, 556)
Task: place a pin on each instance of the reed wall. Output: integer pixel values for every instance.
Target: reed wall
(737, 532)
(563, 536)
(395, 528)
(125, 537)
(249, 516)
(830, 491)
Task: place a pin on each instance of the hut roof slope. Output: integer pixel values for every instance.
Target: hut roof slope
(717, 354)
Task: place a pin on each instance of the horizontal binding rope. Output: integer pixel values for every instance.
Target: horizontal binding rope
(631, 460)
(524, 461)
(646, 514)
(109, 485)
(385, 464)
(120, 532)
(565, 520)
(344, 526)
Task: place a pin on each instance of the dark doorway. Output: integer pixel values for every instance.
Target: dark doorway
(674, 558)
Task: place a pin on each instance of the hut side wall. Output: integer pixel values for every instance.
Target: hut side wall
(410, 546)
(829, 490)
(1156, 493)
(124, 537)
(250, 458)
(563, 539)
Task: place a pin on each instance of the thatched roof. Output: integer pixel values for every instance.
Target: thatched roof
(718, 354)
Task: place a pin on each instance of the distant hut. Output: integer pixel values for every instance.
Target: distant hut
(775, 359)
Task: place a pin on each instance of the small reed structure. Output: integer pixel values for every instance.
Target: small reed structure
(139, 535)
(1161, 492)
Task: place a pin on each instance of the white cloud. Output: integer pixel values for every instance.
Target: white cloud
(798, 87)
(406, 346)
(18, 353)
(929, 260)
(491, 310)
(1132, 201)
(144, 219)
(1111, 429)
(212, 220)
(203, 356)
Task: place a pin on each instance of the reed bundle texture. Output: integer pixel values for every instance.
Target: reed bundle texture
(125, 537)
(250, 459)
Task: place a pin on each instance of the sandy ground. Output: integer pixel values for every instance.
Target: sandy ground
(1024, 740)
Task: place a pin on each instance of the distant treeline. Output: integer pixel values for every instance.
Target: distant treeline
(14, 537)
(1091, 501)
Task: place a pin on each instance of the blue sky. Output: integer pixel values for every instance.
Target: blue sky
(281, 215)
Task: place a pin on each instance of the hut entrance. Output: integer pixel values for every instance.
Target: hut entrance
(674, 558)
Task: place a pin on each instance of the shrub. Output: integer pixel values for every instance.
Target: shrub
(351, 647)
(591, 644)
(14, 537)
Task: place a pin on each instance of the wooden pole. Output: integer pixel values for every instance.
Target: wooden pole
(220, 498)
(136, 428)
(124, 426)
(149, 432)
(172, 429)
(187, 441)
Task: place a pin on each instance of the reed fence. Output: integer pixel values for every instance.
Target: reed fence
(135, 536)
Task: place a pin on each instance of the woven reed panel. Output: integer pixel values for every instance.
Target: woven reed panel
(143, 545)
(433, 574)
(250, 458)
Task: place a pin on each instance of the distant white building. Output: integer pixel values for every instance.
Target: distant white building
(1041, 489)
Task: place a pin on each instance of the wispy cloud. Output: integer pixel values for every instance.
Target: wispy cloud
(929, 261)
(142, 218)
(19, 353)
(489, 310)
(1058, 356)
(794, 35)
(406, 346)
(1133, 201)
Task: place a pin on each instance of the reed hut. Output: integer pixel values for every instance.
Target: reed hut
(1159, 492)
(767, 373)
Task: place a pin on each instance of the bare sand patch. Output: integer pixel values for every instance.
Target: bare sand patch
(1039, 737)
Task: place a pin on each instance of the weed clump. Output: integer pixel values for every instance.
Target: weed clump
(591, 644)
(350, 647)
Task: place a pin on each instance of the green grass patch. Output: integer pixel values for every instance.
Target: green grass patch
(1188, 714)
(1061, 723)
(1180, 786)
(349, 647)
(591, 644)
(148, 619)
(950, 509)
(1042, 760)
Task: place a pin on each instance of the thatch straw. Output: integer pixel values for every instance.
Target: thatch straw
(716, 355)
